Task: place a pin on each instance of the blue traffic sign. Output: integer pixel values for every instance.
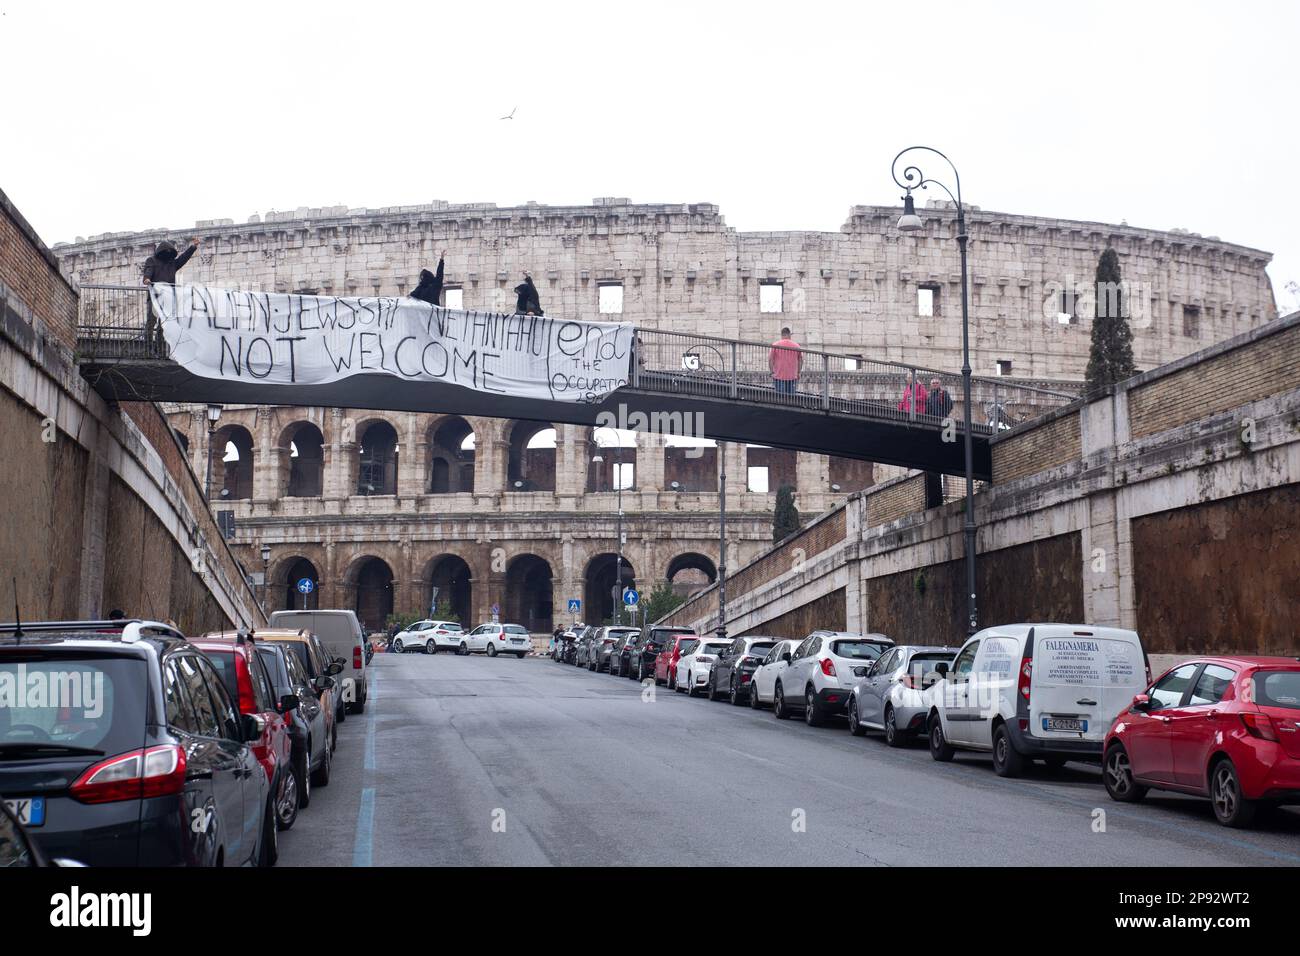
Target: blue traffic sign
(630, 597)
(306, 585)
(574, 605)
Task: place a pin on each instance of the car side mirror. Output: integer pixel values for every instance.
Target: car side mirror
(334, 667)
(1141, 702)
(252, 726)
(289, 702)
(941, 669)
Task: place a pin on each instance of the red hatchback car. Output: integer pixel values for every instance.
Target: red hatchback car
(666, 660)
(1227, 728)
(248, 683)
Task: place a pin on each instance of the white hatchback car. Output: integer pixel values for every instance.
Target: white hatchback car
(763, 684)
(821, 674)
(429, 636)
(693, 668)
(494, 639)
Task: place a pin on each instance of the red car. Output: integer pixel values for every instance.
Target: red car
(248, 683)
(1227, 728)
(666, 660)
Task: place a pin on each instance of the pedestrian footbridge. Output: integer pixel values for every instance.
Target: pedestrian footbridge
(681, 383)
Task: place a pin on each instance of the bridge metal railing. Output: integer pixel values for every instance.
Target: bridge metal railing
(114, 324)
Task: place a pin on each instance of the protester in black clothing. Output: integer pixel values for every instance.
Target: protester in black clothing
(162, 267)
(527, 302)
(430, 286)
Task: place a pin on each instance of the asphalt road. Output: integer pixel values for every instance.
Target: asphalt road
(478, 761)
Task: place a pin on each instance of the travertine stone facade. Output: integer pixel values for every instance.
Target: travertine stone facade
(681, 268)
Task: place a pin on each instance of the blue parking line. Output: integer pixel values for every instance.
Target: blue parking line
(363, 849)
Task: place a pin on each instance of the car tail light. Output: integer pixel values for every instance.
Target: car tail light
(828, 667)
(1026, 676)
(1259, 725)
(356, 657)
(153, 772)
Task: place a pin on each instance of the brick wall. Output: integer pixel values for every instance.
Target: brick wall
(32, 272)
(891, 502)
(1038, 448)
(1266, 366)
(827, 612)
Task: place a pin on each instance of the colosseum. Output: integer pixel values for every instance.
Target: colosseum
(380, 508)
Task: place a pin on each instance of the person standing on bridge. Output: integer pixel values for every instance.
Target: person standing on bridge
(938, 402)
(429, 288)
(162, 266)
(913, 396)
(785, 362)
(527, 301)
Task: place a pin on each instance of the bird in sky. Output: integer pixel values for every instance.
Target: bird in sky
(512, 114)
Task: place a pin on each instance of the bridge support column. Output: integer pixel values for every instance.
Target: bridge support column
(570, 463)
(649, 467)
(812, 480)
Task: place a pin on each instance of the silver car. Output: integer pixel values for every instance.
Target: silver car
(891, 695)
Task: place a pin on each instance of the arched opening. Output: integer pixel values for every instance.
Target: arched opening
(306, 446)
(691, 572)
(690, 464)
(611, 460)
(600, 593)
(528, 594)
(374, 593)
(232, 453)
(183, 438)
(767, 469)
(848, 475)
(378, 450)
(532, 457)
(286, 587)
(451, 457)
(450, 575)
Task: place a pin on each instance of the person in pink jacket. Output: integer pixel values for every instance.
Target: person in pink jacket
(913, 393)
(785, 361)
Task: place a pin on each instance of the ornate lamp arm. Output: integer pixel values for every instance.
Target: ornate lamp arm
(913, 178)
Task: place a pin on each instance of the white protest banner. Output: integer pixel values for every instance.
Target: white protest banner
(286, 338)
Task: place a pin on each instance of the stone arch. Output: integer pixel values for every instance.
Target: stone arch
(232, 463)
(531, 462)
(598, 584)
(183, 439)
(529, 593)
(282, 588)
(302, 449)
(454, 578)
(378, 446)
(369, 583)
(611, 459)
(452, 448)
(689, 572)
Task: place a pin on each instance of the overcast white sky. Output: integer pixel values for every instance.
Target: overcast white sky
(124, 116)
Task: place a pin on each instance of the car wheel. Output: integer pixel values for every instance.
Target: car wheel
(492, 650)
(1117, 774)
(893, 736)
(321, 778)
(521, 655)
(733, 694)
(304, 778)
(672, 681)
(940, 749)
(779, 710)
(463, 650)
(1231, 808)
(1007, 762)
(430, 647)
(397, 647)
(269, 851)
(690, 684)
(286, 799)
(754, 702)
(812, 714)
(341, 714)
(713, 688)
(855, 727)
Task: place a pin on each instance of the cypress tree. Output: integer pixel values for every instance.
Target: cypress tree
(785, 519)
(1111, 358)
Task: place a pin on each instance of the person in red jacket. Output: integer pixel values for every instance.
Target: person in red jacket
(785, 362)
(913, 394)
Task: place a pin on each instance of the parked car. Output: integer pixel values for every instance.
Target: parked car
(582, 647)
(693, 668)
(18, 849)
(733, 670)
(618, 653)
(310, 754)
(892, 696)
(320, 671)
(630, 655)
(655, 639)
(600, 653)
(156, 770)
(340, 632)
(1227, 728)
(762, 686)
(252, 692)
(1036, 691)
(428, 636)
(494, 639)
(668, 656)
(821, 673)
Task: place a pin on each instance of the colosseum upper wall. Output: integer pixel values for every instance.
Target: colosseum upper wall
(865, 289)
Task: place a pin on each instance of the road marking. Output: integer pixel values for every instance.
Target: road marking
(363, 849)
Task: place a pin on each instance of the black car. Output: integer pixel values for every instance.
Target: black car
(311, 745)
(656, 639)
(134, 755)
(17, 848)
(620, 653)
(734, 668)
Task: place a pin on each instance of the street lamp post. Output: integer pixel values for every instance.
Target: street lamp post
(913, 178)
(618, 567)
(266, 567)
(214, 413)
(722, 540)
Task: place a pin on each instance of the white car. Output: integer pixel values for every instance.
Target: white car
(693, 668)
(763, 684)
(1036, 691)
(821, 674)
(429, 636)
(494, 639)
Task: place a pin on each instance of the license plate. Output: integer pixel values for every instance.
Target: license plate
(30, 811)
(1075, 725)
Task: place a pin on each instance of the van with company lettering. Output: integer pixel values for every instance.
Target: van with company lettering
(1026, 692)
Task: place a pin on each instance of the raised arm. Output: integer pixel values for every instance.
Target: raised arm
(185, 256)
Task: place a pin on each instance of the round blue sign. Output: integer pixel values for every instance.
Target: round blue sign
(306, 585)
(630, 597)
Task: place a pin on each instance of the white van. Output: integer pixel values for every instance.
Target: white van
(341, 633)
(1035, 692)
